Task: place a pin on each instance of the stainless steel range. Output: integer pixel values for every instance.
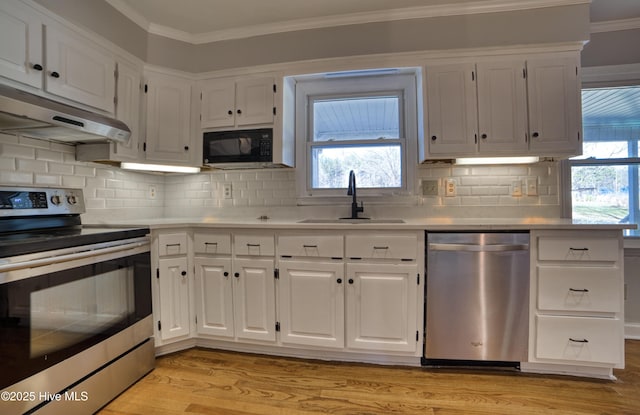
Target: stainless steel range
(75, 305)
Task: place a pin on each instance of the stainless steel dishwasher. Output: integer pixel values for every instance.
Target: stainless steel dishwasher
(477, 298)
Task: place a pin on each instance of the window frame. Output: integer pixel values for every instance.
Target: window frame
(402, 83)
(604, 77)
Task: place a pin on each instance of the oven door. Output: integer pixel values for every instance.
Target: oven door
(66, 304)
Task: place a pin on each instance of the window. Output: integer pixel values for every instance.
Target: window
(604, 180)
(363, 122)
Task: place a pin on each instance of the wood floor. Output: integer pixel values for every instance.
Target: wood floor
(202, 381)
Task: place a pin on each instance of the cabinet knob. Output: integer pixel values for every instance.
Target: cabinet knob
(230, 112)
(186, 148)
(483, 136)
(434, 138)
(183, 273)
(237, 275)
(239, 112)
(55, 74)
(350, 280)
(339, 280)
(535, 135)
(226, 274)
(37, 67)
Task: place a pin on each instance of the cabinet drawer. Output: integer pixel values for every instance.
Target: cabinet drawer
(577, 249)
(596, 289)
(579, 339)
(328, 246)
(212, 243)
(172, 244)
(255, 245)
(382, 246)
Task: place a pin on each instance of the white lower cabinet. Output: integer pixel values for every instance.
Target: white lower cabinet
(381, 307)
(234, 296)
(311, 306)
(214, 297)
(173, 292)
(254, 299)
(577, 300)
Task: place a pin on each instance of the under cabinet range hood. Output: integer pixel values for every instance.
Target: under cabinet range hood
(38, 117)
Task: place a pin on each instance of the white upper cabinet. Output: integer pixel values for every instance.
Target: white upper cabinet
(508, 107)
(502, 107)
(128, 94)
(78, 69)
(554, 106)
(45, 55)
(169, 137)
(451, 109)
(21, 59)
(232, 103)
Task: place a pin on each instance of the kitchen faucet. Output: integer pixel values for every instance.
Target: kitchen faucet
(351, 191)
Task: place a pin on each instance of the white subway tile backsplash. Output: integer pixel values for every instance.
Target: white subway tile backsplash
(112, 193)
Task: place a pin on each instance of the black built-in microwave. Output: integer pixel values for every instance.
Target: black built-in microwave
(239, 146)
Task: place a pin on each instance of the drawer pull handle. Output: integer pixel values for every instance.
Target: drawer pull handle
(578, 340)
(581, 290)
(173, 245)
(380, 247)
(579, 249)
(310, 246)
(253, 245)
(211, 243)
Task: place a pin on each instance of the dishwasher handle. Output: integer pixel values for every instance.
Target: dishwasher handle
(478, 247)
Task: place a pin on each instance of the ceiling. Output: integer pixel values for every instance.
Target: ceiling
(202, 21)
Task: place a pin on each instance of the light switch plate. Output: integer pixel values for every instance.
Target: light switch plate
(532, 186)
(516, 188)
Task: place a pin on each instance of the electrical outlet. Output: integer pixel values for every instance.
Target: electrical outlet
(152, 192)
(430, 187)
(226, 191)
(450, 187)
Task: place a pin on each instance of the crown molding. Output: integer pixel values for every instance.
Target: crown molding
(421, 12)
(615, 25)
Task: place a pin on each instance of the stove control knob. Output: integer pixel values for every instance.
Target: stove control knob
(55, 199)
(72, 199)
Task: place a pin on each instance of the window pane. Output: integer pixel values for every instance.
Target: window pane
(604, 150)
(600, 194)
(362, 118)
(376, 166)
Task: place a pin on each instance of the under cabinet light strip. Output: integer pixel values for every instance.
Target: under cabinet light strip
(497, 160)
(159, 168)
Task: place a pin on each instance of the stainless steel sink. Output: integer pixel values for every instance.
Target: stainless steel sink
(353, 221)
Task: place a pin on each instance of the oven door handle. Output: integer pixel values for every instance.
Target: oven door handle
(89, 253)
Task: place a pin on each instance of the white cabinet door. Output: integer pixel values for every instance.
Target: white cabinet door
(173, 289)
(168, 119)
(214, 297)
(381, 307)
(254, 101)
(21, 47)
(502, 107)
(311, 303)
(451, 109)
(254, 299)
(554, 106)
(218, 103)
(78, 69)
(237, 102)
(128, 107)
